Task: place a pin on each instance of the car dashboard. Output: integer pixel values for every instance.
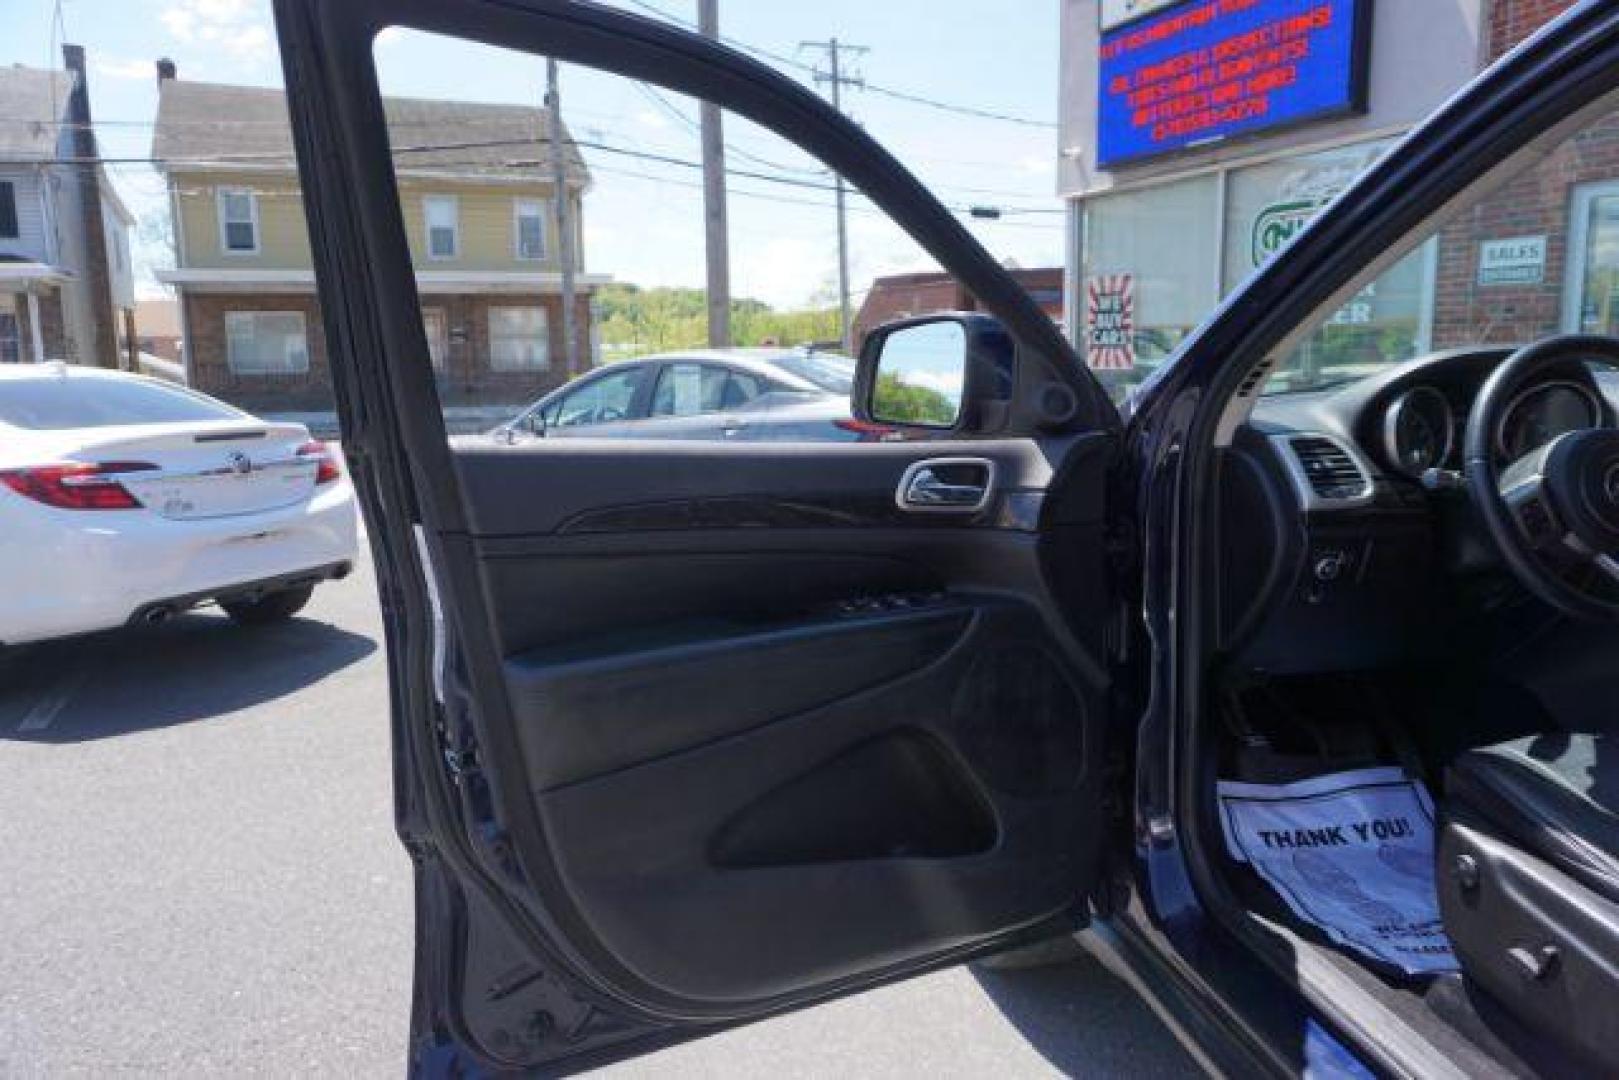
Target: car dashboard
(1345, 542)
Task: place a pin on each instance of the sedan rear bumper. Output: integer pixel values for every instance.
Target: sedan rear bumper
(159, 611)
(65, 572)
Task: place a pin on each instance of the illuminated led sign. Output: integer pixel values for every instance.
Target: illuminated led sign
(1207, 70)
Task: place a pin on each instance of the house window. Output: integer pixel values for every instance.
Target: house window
(239, 221)
(443, 226)
(10, 339)
(530, 230)
(8, 210)
(519, 339)
(266, 342)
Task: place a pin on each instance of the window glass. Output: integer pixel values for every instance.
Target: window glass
(10, 338)
(694, 389)
(8, 210)
(56, 403)
(266, 342)
(1156, 250)
(828, 371)
(1269, 204)
(1595, 282)
(441, 213)
(239, 217)
(602, 401)
(519, 338)
(530, 229)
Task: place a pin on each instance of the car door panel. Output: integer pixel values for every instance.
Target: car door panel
(694, 731)
(778, 732)
(767, 752)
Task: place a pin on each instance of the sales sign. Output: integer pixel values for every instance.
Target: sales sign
(1518, 260)
(1206, 70)
(1110, 322)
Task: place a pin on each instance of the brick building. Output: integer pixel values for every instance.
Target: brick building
(480, 218)
(1174, 202)
(902, 295)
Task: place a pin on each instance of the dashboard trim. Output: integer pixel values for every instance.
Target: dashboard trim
(1309, 499)
(1391, 428)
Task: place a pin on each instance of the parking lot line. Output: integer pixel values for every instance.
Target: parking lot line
(48, 708)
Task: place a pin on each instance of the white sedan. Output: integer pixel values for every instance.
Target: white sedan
(126, 500)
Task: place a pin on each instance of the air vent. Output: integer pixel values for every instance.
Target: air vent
(1329, 470)
(1258, 375)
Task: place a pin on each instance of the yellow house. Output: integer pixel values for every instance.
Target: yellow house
(479, 208)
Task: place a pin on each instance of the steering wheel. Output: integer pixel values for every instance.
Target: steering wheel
(608, 414)
(1553, 513)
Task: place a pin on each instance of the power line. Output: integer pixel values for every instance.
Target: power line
(885, 91)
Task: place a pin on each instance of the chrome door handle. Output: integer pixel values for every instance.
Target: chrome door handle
(959, 485)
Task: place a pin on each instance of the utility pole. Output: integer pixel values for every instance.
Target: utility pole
(715, 216)
(834, 50)
(564, 215)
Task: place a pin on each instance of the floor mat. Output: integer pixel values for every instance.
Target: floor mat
(1351, 853)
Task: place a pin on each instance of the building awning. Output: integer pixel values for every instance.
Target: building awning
(494, 282)
(22, 275)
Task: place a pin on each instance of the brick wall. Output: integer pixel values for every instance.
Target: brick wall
(1538, 203)
(1511, 21)
(467, 379)
(903, 295)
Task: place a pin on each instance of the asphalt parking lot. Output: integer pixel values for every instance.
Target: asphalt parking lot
(199, 876)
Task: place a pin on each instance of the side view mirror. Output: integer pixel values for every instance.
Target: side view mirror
(937, 372)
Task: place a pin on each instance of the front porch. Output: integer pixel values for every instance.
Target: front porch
(32, 328)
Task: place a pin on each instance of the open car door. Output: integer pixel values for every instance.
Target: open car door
(688, 733)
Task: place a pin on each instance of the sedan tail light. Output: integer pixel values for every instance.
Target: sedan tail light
(866, 430)
(77, 485)
(327, 471)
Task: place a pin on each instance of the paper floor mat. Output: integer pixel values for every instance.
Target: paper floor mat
(1351, 853)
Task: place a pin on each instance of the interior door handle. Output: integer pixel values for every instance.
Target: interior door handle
(953, 485)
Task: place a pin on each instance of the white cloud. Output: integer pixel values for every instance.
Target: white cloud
(654, 120)
(239, 28)
(126, 69)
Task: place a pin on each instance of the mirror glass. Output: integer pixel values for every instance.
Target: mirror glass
(920, 374)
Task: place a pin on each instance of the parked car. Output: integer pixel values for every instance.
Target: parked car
(690, 735)
(742, 395)
(125, 499)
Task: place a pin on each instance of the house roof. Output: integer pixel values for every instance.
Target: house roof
(216, 124)
(32, 103)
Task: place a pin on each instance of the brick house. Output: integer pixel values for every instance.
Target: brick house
(66, 285)
(482, 233)
(900, 296)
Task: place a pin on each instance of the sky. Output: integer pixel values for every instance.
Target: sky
(642, 218)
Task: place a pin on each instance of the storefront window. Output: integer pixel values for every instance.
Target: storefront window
(1151, 267)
